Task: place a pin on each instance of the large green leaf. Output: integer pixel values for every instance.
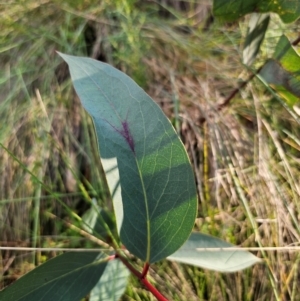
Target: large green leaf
(112, 283)
(68, 277)
(153, 186)
(258, 25)
(230, 10)
(282, 72)
(222, 261)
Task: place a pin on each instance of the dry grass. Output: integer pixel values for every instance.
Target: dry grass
(245, 157)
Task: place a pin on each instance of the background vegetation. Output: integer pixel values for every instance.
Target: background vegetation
(245, 155)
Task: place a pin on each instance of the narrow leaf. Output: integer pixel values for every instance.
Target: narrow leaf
(153, 185)
(231, 10)
(68, 277)
(112, 283)
(222, 261)
(257, 28)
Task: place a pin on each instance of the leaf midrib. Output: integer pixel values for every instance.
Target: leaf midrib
(147, 211)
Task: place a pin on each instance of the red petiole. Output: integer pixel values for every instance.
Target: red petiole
(142, 277)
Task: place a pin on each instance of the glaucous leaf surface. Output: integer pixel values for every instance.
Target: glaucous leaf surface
(153, 185)
(67, 277)
(222, 261)
(112, 283)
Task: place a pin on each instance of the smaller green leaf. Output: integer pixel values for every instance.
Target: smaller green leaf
(257, 28)
(68, 277)
(282, 72)
(222, 261)
(231, 10)
(112, 283)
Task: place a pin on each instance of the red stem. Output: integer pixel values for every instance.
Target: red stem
(112, 257)
(145, 270)
(134, 271)
(143, 279)
(153, 290)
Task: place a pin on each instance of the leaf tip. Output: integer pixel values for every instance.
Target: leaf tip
(62, 55)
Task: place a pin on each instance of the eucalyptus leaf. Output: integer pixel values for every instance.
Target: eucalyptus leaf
(231, 10)
(112, 283)
(282, 71)
(68, 277)
(257, 28)
(155, 197)
(217, 260)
